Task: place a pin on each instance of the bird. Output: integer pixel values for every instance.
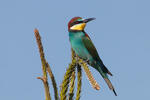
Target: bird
(83, 47)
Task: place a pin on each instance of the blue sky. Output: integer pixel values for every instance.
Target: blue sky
(121, 34)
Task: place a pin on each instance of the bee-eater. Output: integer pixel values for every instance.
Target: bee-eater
(85, 49)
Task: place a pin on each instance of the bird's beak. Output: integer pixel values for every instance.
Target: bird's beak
(88, 20)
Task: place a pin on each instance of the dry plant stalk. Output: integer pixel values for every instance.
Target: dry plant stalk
(72, 85)
(79, 82)
(72, 79)
(44, 65)
(65, 83)
(93, 82)
(53, 81)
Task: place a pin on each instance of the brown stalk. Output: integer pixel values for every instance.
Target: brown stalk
(44, 65)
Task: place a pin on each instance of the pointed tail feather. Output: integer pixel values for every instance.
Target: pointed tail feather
(110, 85)
(104, 71)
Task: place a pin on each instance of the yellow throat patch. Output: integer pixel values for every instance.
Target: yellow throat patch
(78, 26)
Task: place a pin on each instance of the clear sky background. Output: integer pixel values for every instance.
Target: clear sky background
(121, 34)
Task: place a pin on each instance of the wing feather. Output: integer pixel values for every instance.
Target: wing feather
(90, 47)
(92, 50)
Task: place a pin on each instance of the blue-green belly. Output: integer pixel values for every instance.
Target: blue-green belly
(79, 48)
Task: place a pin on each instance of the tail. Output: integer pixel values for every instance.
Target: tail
(104, 71)
(110, 85)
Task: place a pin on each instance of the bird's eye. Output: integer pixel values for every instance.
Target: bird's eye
(76, 22)
(79, 22)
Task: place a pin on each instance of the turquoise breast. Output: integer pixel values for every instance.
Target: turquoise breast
(77, 44)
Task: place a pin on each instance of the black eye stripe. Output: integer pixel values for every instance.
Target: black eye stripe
(76, 22)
